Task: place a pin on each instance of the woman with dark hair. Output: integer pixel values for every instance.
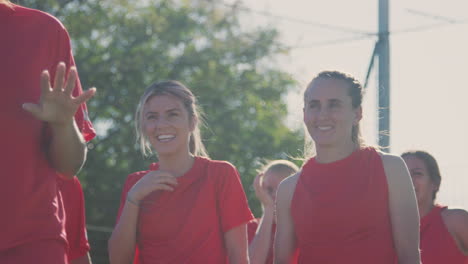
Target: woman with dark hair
(444, 232)
(186, 208)
(349, 203)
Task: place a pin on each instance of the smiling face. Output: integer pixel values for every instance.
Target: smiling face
(328, 112)
(167, 124)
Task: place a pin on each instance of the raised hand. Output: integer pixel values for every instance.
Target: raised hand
(265, 198)
(57, 104)
(152, 181)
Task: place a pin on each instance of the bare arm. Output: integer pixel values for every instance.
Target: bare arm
(456, 221)
(57, 107)
(285, 238)
(403, 210)
(260, 246)
(122, 242)
(86, 259)
(236, 244)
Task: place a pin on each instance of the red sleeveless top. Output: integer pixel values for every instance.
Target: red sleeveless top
(341, 212)
(437, 244)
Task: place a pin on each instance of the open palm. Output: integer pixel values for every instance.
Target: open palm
(57, 105)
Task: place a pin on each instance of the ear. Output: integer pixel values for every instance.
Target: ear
(303, 114)
(193, 122)
(357, 115)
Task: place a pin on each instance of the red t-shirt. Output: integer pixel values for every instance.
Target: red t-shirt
(188, 224)
(437, 244)
(252, 230)
(31, 41)
(341, 212)
(75, 221)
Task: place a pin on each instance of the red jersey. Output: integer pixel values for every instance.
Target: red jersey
(252, 230)
(75, 221)
(31, 42)
(188, 224)
(437, 244)
(341, 212)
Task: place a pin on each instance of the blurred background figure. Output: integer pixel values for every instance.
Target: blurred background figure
(444, 232)
(261, 231)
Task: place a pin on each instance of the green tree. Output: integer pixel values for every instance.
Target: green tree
(122, 46)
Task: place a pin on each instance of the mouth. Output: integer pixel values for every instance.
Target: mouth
(165, 138)
(324, 128)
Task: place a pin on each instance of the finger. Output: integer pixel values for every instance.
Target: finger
(166, 180)
(85, 96)
(71, 81)
(45, 82)
(165, 187)
(59, 76)
(34, 109)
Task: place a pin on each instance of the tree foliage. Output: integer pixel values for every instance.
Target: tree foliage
(122, 46)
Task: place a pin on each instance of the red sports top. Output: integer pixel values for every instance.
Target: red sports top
(437, 244)
(252, 229)
(341, 213)
(31, 41)
(188, 224)
(75, 222)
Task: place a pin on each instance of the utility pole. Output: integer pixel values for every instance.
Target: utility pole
(384, 75)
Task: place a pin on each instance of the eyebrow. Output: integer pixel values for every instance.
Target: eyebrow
(175, 109)
(334, 100)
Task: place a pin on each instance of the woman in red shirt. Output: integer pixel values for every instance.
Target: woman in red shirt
(186, 208)
(444, 232)
(349, 203)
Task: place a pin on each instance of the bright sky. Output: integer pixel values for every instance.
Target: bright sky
(429, 70)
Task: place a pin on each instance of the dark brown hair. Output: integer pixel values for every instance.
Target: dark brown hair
(431, 166)
(355, 90)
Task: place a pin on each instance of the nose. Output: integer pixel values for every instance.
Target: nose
(323, 112)
(160, 123)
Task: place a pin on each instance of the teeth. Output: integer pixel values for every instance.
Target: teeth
(165, 137)
(324, 127)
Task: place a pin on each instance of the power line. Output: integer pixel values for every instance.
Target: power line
(298, 20)
(426, 27)
(329, 42)
(433, 16)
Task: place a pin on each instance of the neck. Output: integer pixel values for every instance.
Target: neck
(328, 154)
(176, 165)
(425, 208)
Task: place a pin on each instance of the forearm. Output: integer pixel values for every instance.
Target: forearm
(67, 150)
(236, 245)
(123, 239)
(260, 246)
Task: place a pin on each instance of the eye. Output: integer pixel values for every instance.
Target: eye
(313, 105)
(334, 104)
(151, 117)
